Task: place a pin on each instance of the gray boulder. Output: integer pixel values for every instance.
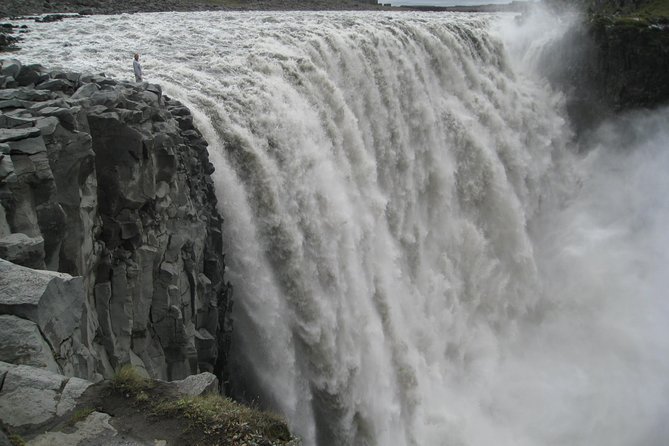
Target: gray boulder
(10, 67)
(96, 429)
(53, 301)
(23, 250)
(22, 343)
(32, 396)
(29, 396)
(7, 135)
(200, 384)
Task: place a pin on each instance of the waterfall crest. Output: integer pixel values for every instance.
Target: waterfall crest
(405, 228)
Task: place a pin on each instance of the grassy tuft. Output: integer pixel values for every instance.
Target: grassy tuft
(215, 415)
(128, 380)
(654, 10)
(647, 13)
(16, 440)
(210, 420)
(80, 415)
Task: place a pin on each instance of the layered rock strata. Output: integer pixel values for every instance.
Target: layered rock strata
(105, 185)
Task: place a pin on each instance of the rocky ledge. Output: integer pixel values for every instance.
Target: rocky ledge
(42, 408)
(109, 231)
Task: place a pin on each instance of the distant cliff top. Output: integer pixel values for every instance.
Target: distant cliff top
(10, 8)
(644, 10)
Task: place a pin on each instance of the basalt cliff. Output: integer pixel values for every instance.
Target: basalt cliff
(108, 229)
(614, 59)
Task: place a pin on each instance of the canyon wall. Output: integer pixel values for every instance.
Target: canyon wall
(109, 230)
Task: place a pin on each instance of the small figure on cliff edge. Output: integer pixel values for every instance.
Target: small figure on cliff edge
(137, 68)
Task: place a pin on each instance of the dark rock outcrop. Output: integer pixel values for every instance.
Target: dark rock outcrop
(101, 182)
(615, 59)
(8, 38)
(631, 66)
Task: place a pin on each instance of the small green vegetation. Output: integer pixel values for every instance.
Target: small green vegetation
(142, 397)
(654, 10)
(649, 12)
(216, 415)
(128, 381)
(209, 420)
(16, 440)
(80, 415)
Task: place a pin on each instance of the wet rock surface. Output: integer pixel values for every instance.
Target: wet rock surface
(109, 230)
(9, 36)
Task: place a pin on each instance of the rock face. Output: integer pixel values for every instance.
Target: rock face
(631, 65)
(108, 184)
(36, 309)
(616, 59)
(7, 40)
(195, 385)
(32, 396)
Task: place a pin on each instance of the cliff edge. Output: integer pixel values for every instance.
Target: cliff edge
(109, 231)
(615, 59)
(42, 408)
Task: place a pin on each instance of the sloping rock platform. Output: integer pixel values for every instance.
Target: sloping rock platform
(42, 408)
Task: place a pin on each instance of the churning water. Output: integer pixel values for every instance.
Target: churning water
(420, 255)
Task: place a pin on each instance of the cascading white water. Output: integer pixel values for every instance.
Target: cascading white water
(418, 256)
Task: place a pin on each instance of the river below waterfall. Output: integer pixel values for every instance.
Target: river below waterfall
(421, 254)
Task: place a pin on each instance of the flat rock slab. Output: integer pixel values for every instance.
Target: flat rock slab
(200, 384)
(7, 135)
(23, 376)
(15, 103)
(93, 430)
(22, 343)
(25, 94)
(32, 396)
(10, 67)
(56, 85)
(29, 396)
(74, 388)
(26, 406)
(28, 146)
(23, 250)
(54, 301)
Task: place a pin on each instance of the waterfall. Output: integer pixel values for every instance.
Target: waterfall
(418, 253)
